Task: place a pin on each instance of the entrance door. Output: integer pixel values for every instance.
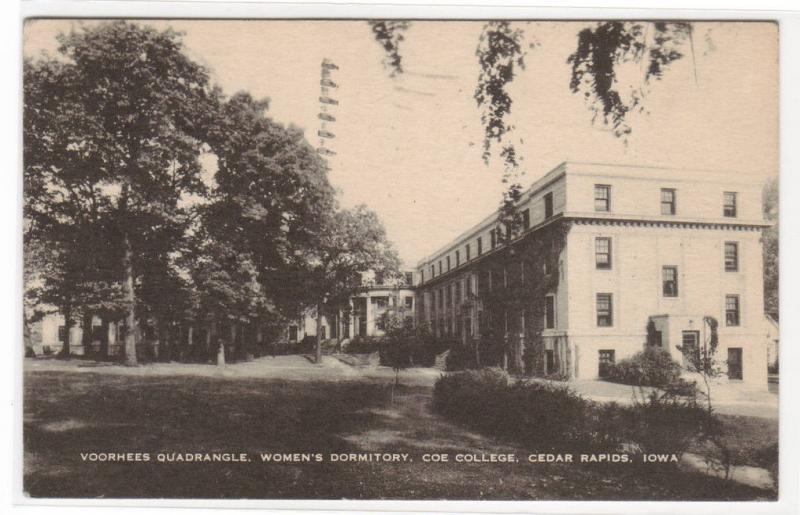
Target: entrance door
(691, 342)
(735, 363)
(605, 359)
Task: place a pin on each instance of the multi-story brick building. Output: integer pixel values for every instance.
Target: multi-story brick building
(609, 258)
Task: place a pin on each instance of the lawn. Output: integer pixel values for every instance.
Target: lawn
(67, 413)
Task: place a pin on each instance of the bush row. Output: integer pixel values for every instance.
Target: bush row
(542, 416)
(651, 367)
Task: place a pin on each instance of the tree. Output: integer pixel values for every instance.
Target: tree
(126, 111)
(273, 194)
(351, 242)
(770, 244)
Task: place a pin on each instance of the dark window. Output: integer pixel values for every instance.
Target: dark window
(441, 298)
(729, 204)
(62, 333)
(731, 256)
(322, 332)
(458, 293)
(449, 295)
(669, 281)
(292, 333)
(732, 310)
(547, 266)
(493, 238)
(422, 275)
(549, 312)
(433, 272)
(549, 361)
(602, 197)
(734, 363)
(480, 246)
(548, 205)
(605, 316)
(667, 201)
(379, 277)
(469, 286)
(440, 267)
(458, 258)
(526, 219)
(466, 252)
(448, 263)
(409, 278)
(433, 300)
(605, 358)
(602, 253)
(409, 302)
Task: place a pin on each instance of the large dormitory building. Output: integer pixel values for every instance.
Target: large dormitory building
(607, 259)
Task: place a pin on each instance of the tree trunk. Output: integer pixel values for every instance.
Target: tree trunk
(210, 333)
(190, 341)
(235, 350)
(318, 354)
(65, 347)
(130, 300)
(104, 338)
(86, 337)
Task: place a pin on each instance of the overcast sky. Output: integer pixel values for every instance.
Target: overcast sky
(410, 147)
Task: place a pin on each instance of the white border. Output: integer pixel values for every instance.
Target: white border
(11, 191)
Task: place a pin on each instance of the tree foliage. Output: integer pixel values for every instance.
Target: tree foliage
(770, 244)
(600, 52)
(389, 33)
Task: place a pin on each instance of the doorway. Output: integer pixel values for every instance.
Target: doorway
(735, 363)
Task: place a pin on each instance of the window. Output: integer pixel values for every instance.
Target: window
(466, 252)
(380, 302)
(548, 205)
(547, 266)
(440, 267)
(469, 286)
(422, 275)
(292, 333)
(605, 358)
(669, 281)
(667, 201)
(409, 301)
(731, 256)
(433, 272)
(493, 238)
(458, 293)
(448, 263)
(729, 204)
(62, 333)
(480, 246)
(449, 295)
(409, 278)
(549, 312)
(602, 253)
(604, 310)
(731, 310)
(602, 197)
(322, 333)
(458, 258)
(433, 300)
(526, 219)
(441, 298)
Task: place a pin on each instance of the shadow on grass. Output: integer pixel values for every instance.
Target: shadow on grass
(67, 413)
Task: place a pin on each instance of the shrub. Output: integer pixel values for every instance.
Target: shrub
(363, 345)
(539, 415)
(460, 357)
(651, 367)
(668, 422)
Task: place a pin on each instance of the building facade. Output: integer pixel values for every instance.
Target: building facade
(364, 315)
(607, 259)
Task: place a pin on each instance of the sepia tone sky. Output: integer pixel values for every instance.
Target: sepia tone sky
(410, 147)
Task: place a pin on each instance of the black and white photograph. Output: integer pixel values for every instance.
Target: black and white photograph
(400, 259)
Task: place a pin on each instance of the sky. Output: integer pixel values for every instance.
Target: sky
(410, 147)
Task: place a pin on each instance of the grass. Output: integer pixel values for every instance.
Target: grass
(66, 413)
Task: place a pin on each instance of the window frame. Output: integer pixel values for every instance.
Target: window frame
(550, 322)
(479, 241)
(737, 311)
(733, 207)
(609, 315)
(735, 263)
(606, 201)
(673, 203)
(526, 219)
(608, 253)
(548, 205)
(674, 292)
